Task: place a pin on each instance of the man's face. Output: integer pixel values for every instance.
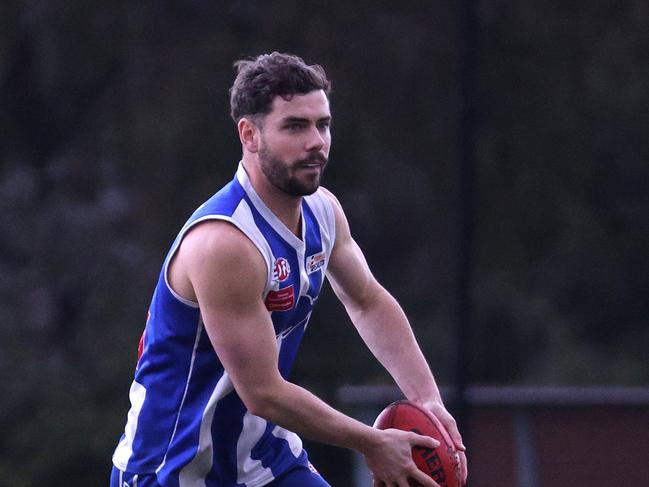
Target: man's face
(295, 141)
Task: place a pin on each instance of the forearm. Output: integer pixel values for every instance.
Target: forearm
(388, 453)
(385, 329)
(296, 409)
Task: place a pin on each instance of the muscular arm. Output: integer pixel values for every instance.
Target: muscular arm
(383, 326)
(226, 274)
(378, 317)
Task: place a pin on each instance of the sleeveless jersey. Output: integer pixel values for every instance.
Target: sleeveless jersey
(186, 422)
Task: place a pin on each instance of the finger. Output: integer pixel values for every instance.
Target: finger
(457, 441)
(424, 480)
(424, 441)
(451, 427)
(463, 466)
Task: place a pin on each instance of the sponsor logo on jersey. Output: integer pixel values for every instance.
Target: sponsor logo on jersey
(281, 300)
(281, 269)
(315, 262)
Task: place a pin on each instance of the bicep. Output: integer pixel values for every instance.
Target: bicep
(349, 274)
(244, 340)
(348, 271)
(228, 276)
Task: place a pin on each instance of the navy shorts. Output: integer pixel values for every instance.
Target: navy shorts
(299, 476)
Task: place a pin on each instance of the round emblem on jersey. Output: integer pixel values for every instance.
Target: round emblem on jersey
(281, 269)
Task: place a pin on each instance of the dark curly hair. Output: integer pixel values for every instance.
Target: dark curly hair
(261, 79)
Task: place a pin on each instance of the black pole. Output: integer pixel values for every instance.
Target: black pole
(466, 207)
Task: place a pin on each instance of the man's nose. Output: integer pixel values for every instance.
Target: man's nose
(316, 140)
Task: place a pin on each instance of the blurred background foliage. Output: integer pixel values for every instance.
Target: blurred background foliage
(114, 126)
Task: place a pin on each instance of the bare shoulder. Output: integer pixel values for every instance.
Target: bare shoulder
(332, 198)
(218, 239)
(216, 254)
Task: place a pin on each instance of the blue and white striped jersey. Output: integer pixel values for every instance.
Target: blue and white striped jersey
(186, 422)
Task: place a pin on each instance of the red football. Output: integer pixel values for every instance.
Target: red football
(442, 464)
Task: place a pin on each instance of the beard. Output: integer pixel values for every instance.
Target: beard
(285, 176)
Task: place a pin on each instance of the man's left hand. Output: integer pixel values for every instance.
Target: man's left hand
(440, 412)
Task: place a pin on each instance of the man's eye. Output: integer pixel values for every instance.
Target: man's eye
(294, 127)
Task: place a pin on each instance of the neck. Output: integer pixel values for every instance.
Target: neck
(286, 207)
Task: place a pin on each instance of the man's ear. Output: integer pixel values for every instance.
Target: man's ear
(249, 134)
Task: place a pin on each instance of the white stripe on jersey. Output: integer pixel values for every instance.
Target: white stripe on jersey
(293, 440)
(251, 472)
(244, 220)
(322, 209)
(124, 450)
(199, 330)
(193, 474)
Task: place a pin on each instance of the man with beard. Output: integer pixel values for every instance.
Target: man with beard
(211, 403)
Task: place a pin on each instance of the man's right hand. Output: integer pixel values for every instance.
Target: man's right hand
(390, 459)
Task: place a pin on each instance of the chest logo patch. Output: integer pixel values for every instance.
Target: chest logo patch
(281, 269)
(281, 300)
(315, 262)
